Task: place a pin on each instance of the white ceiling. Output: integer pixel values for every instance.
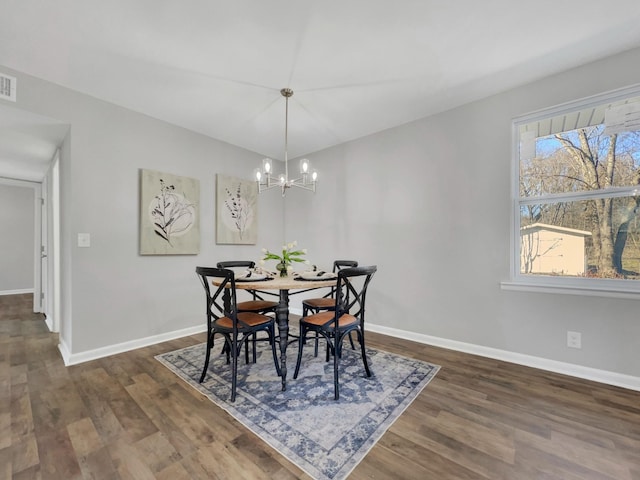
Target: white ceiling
(356, 66)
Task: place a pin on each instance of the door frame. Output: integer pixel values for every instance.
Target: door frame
(53, 281)
(46, 281)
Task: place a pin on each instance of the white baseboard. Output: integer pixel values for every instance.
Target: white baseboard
(579, 371)
(81, 357)
(64, 351)
(587, 373)
(16, 292)
(49, 322)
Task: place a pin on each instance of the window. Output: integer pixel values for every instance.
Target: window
(577, 195)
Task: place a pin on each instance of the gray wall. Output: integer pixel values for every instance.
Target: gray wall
(110, 294)
(429, 203)
(17, 218)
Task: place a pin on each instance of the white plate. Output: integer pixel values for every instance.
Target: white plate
(315, 276)
(251, 276)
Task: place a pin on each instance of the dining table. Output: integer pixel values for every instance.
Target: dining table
(283, 287)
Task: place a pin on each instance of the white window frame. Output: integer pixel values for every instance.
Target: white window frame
(551, 284)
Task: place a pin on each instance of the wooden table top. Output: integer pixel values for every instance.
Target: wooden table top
(285, 283)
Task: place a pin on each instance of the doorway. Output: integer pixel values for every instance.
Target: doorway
(17, 255)
(34, 203)
(30, 157)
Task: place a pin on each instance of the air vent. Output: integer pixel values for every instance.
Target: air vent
(7, 87)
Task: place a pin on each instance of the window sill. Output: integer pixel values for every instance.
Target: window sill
(593, 291)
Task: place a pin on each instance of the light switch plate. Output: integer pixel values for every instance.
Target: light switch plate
(84, 240)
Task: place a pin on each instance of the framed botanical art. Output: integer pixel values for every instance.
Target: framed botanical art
(169, 214)
(236, 211)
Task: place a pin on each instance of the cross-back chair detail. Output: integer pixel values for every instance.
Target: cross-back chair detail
(346, 317)
(257, 303)
(225, 318)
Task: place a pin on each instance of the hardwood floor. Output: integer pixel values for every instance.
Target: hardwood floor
(128, 417)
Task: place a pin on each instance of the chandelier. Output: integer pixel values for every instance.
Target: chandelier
(264, 176)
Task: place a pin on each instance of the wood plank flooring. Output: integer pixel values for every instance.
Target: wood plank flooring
(128, 417)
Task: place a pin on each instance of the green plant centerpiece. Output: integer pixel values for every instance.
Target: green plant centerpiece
(290, 254)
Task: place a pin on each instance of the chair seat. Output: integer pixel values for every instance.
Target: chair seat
(319, 319)
(320, 302)
(250, 318)
(256, 305)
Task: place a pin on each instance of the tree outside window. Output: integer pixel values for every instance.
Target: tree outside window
(583, 182)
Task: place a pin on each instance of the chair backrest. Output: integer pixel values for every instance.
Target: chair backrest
(241, 264)
(351, 290)
(337, 266)
(236, 263)
(340, 264)
(219, 304)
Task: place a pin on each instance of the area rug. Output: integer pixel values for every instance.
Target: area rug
(324, 437)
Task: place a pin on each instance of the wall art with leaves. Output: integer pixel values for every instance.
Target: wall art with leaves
(169, 214)
(236, 211)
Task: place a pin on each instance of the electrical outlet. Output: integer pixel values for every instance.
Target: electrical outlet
(574, 340)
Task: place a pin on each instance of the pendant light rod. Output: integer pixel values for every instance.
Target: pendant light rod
(286, 93)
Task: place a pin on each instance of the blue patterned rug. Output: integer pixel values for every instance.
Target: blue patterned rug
(325, 438)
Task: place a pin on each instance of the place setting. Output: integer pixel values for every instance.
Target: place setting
(255, 275)
(314, 275)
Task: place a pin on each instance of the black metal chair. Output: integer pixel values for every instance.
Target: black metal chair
(327, 302)
(257, 304)
(224, 318)
(347, 316)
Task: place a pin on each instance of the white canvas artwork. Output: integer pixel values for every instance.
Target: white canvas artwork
(169, 214)
(236, 211)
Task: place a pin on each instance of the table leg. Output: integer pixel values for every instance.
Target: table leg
(282, 317)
